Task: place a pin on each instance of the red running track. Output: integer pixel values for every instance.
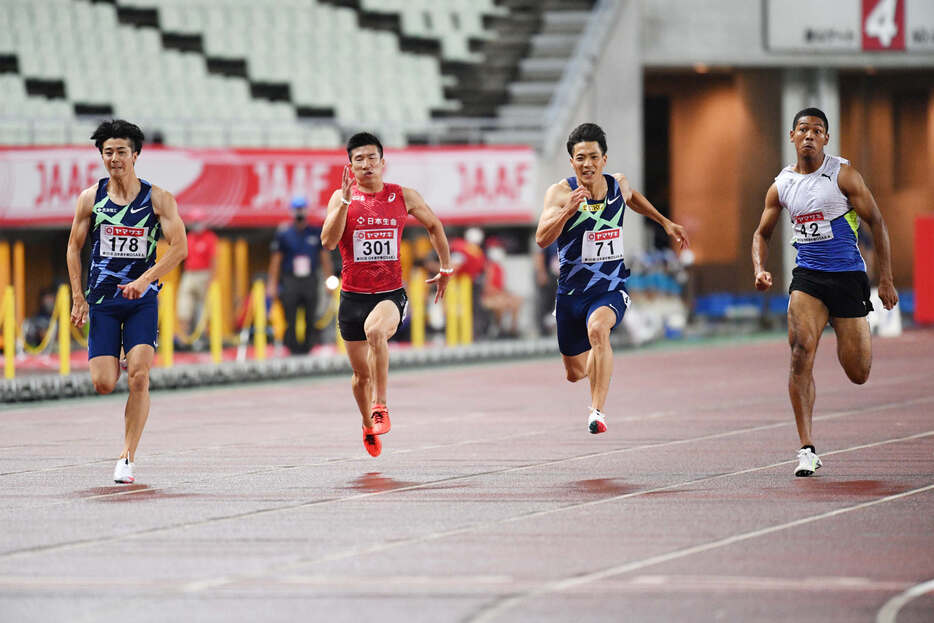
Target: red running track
(491, 501)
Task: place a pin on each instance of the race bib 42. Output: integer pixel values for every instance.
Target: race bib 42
(812, 228)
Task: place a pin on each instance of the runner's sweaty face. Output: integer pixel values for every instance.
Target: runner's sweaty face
(366, 164)
(810, 136)
(588, 161)
(118, 156)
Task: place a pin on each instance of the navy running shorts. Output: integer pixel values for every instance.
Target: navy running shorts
(356, 306)
(120, 321)
(845, 293)
(572, 311)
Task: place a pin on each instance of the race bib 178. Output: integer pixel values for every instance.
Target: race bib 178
(812, 228)
(119, 241)
(375, 245)
(602, 246)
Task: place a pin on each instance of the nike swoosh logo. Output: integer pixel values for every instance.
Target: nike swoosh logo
(132, 211)
(613, 200)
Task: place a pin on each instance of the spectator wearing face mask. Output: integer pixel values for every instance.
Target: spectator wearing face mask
(496, 298)
(295, 265)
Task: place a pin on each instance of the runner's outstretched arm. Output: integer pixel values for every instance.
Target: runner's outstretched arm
(761, 237)
(677, 233)
(417, 207)
(864, 204)
(79, 233)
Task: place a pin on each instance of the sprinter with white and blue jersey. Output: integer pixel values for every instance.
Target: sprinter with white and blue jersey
(826, 198)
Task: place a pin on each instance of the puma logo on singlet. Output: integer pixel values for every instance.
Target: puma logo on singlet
(827, 176)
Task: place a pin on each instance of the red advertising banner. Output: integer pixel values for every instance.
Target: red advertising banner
(883, 24)
(251, 188)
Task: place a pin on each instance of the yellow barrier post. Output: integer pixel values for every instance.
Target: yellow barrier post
(338, 340)
(277, 320)
(241, 278)
(259, 320)
(19, 280)
(215, 322)
(417, 303)
(224, 277)
(465, 298)
(8, 319)
(167, 322)
(63, 309)
(5, 273)
(451, 321)
(300, 325)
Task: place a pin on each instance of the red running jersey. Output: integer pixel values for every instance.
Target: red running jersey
(370, 244)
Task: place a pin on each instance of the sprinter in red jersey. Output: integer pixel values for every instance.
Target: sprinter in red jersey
(365, 219)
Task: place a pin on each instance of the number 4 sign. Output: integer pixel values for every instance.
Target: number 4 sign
(883, 24)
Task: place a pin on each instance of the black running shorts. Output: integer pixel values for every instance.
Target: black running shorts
(356, 306)
(845, 293)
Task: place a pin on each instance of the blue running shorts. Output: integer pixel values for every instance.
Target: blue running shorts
(122, 321)
(572, 311)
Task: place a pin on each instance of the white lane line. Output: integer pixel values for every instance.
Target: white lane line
(354, 583)
(889, 612)
(209, 583)
(472, 584)
(493, 611)
(706, 583)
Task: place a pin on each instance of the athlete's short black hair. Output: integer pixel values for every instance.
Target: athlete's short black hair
(363, 138)
(587, 132)
(811, 112)
(118, 128)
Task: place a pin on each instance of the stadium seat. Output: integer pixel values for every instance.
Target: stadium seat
(304, 51)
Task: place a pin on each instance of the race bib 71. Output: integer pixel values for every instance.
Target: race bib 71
(602, 246)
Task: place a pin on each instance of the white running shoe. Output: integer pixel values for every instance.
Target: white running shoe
(123, 472)
(808, 462)
(596, 423)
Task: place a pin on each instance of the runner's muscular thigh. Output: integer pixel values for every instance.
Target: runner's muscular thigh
(854, 347)
(385, 317)
(807, 317)
(601, 321)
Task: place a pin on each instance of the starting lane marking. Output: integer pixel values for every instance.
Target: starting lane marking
(210, 583)
(491, 612)
(889, 612)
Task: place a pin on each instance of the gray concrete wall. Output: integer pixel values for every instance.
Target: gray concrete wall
(680, 33)
(613, 100)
